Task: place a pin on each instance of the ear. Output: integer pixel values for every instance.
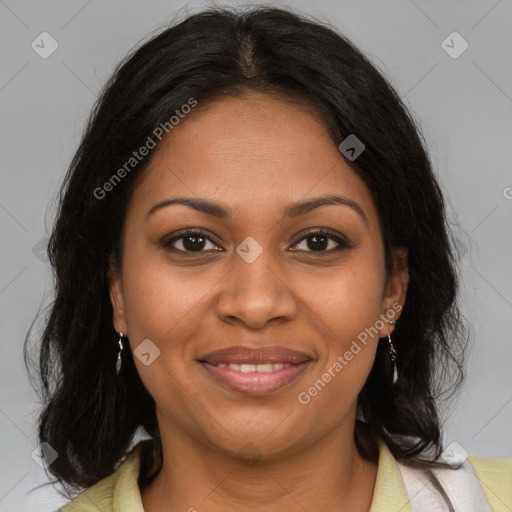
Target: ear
(115, 286)
(395, 291)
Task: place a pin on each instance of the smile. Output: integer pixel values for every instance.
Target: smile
(249, 368)
(255, 378)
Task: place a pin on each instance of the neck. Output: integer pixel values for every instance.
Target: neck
(329, 474)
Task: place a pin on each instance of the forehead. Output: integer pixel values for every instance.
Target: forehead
(254, 153)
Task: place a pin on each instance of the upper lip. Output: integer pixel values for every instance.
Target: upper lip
(245, 355)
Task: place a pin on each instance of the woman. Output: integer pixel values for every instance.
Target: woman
(253, 264)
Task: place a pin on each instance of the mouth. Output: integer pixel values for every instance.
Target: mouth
(255, 378)
(255, 371)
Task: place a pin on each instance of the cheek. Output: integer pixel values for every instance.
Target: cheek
(161, 301)
(346, 308)
(347, 299)
(162, 305)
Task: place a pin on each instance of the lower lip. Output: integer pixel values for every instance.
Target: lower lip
(255, 382)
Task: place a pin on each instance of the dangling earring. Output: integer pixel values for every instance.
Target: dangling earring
(119, 353)
(392, 354)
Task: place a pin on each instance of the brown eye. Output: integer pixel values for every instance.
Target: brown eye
(190, 241)
(322, 241)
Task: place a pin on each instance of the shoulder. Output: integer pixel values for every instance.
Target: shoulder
(119, 486)
(495, 476)
(97, 497)
(476, 485)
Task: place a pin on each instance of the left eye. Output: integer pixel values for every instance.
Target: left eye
(319, 242)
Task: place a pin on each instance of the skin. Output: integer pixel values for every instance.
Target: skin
(225, 450)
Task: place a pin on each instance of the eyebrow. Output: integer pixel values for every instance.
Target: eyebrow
(291, 211)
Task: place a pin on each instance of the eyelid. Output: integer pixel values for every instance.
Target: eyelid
(342, 241)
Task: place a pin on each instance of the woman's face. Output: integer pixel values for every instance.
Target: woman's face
(255, 277)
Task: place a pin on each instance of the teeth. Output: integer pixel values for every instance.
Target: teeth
(249, 368)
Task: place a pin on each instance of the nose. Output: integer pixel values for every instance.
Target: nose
(255, 293)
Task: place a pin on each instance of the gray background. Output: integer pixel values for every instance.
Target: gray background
(464, 106)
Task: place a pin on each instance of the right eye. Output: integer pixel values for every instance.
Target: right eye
(189, 241)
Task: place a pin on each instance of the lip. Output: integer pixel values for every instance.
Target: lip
(245, 355)
(255, 383)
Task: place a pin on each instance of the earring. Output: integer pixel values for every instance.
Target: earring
(392, 354)
(119, 360)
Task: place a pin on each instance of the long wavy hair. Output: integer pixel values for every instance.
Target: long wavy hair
(89, 416)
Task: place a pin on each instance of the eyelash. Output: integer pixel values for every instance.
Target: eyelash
(342, 243)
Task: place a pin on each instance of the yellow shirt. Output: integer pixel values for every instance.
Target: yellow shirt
(120, 491)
